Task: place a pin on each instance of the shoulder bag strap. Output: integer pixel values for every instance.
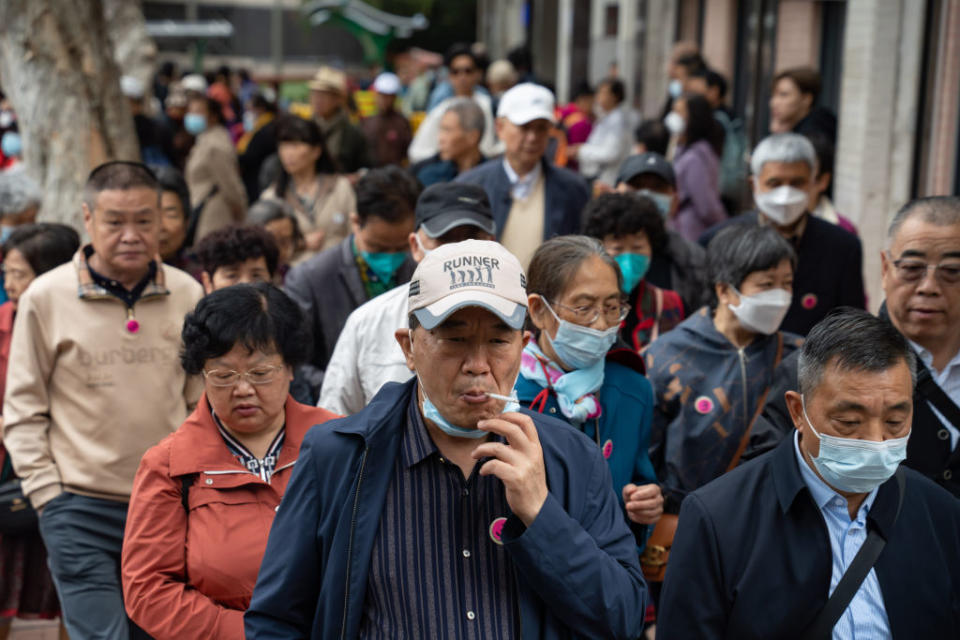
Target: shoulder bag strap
(822, 626)
(756, 414)
(658, 311)
(935, 394)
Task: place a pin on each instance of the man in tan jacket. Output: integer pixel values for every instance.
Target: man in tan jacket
(94, 381)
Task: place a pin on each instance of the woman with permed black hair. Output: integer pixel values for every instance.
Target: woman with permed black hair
(204, 497)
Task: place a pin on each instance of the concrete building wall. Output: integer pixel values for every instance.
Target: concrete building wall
(798, 34)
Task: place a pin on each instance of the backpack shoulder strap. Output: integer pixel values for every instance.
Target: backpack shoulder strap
(185, 483)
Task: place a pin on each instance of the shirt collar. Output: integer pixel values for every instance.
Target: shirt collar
(521, 184)
(927, 358)
(416, 444)
(820, 490)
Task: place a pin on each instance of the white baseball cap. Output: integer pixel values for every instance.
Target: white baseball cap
(194, 82)
(525, 103)
(131, 87)
(472, 273)
(387, 83)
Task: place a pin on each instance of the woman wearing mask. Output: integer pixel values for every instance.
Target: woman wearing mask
(569, 371)
(26, 588)
(699, 140)
(212, 172)
(204, 498)
(630, 226)
(321, 199)
(711, 374)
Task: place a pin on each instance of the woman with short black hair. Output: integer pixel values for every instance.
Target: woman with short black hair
(711, 374)
(321, 199)
(632, 231)
(204, 497)
(26, 588)
(174, 216)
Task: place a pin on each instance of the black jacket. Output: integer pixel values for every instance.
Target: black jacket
(829, 271)
(328, 288)
(928, 450)
(752, 559)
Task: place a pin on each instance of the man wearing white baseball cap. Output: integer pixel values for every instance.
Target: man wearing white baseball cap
(532, 200)
(388, 132)
(443, 510)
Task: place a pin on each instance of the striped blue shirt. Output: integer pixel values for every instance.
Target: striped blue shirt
(436, 568)
(866, 616)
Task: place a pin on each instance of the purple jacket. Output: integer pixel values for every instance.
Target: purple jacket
(698, 170)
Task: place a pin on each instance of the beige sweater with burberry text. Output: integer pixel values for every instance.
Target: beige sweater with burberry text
(85, 396)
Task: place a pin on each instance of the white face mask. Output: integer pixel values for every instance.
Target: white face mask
(783, 205)
(675, 123)
(762, 312)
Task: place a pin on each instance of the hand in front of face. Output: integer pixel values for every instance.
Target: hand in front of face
(644, 503)
(518, 464)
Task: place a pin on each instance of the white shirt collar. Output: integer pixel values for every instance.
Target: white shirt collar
(521, 186)
(927, 357)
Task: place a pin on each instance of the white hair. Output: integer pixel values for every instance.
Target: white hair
(783, 147)
(18, 192)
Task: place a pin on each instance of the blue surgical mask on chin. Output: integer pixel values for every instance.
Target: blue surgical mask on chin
(856, 466)
(431, 413)
(580, 347)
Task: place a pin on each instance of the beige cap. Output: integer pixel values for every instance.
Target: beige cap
(472, 273)
(329, 79)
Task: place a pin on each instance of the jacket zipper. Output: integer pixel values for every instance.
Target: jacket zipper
(743, 380)
(353, 526)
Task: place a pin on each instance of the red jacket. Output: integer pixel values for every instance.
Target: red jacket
(193, 578)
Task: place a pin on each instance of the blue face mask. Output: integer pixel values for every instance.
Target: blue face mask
(11, 145)
(856, 466)
(5, 233)
(675, 88)
(663, 201)
(580, 347)
(383, 265)
(249, 120)
(633, 266)
(194, 123)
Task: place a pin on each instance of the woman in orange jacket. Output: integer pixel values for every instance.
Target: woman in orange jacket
(204, 497)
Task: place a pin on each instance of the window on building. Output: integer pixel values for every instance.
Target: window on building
(611, 20)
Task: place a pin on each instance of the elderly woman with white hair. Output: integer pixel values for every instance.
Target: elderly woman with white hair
(20, 198)
(829, 270)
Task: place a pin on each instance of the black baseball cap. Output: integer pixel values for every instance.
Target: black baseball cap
(649, 162)
(444, 206)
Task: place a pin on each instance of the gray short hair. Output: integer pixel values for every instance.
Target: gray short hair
(18, 192)
(942, 211)
(557, 260)
(855, 341)
(468, 113)
(783, 147)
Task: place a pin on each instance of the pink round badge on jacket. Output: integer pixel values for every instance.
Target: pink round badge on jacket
(809, 301)
(703, 405)
(496, 530)
(607, 449)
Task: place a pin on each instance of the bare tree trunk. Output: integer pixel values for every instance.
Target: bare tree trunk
(57, 68)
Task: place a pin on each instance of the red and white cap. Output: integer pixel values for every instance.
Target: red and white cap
(472, 273)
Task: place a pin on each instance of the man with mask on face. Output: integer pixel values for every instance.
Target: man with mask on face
(516, 529)
(829, 259)
(815, 513)
(676, 263)
(372, 260)
(366, 355)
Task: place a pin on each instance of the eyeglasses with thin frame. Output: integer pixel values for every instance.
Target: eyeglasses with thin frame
(264, 374)
(613, 313)
(914, 269)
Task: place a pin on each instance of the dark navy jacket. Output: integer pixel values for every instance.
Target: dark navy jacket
(829, 271)
(576, 566)
(565, 195)
(751, 558)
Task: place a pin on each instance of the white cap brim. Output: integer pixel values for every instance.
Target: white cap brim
(524, 116)
(511, 313)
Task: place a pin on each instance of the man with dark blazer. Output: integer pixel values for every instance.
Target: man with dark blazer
(372, 260)
(759, 551)
(924, 306)
(532, 200)
(829, 270)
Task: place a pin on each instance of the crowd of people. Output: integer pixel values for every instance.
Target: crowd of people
(475, 365)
